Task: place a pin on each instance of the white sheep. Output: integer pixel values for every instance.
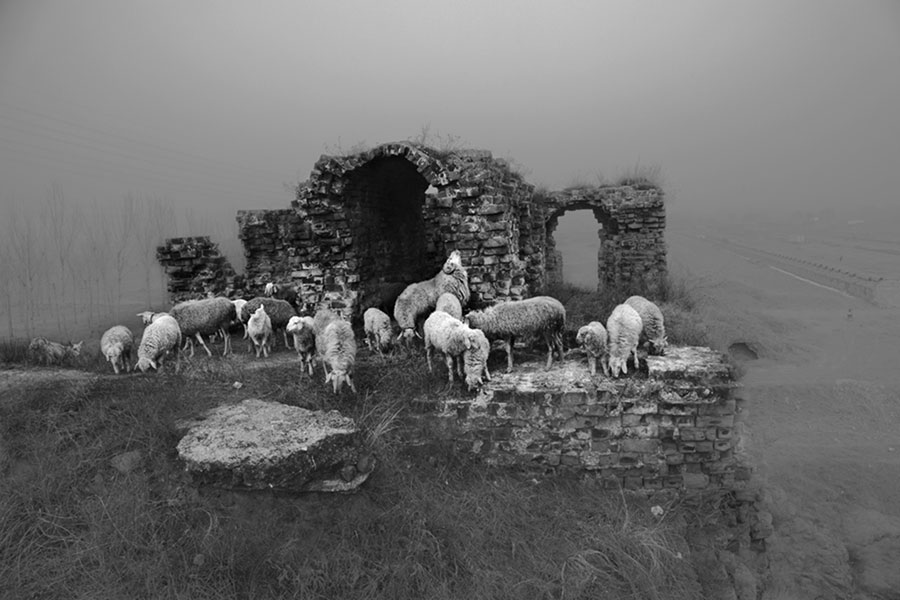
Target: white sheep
(623, 328)
(148, 316)
(208, 316)
(238, 307)
(259, 327)
(594, 341)
(161, 337)
(449, 304)
(451, 337)
(303, 331)
(116, 344)
(338, 351)
(418, 298)
(279, 311)
(474, 361)
(653, 333)
(378, 330)
(508, 320)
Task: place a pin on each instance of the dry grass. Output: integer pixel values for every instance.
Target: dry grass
(423, 526)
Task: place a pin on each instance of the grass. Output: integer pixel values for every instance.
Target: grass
(426, 524)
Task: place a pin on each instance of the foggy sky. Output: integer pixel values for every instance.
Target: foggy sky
(221, 105)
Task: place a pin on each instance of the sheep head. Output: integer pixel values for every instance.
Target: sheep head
(453, 262)
(658, 346)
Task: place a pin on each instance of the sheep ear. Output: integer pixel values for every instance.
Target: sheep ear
(153, 364)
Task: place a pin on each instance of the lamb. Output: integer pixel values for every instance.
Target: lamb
(508, 320)
(43, 350)
(289, 294)
(623, 328)
(279, 311)
(593, 339)
(303, 331)
(197, 318)
(419, 298)
(116, 344)
(450, 336)
(654, 332)
(338, 350)
(259, 326)
(474, 361)
(379, 333)
(449, 304)
(160, 337)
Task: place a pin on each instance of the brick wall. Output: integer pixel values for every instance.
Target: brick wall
(195, 268)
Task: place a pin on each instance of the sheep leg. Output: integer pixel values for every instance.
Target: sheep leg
(350, 382)
(286, 344)
(592, 363)
(227, 337)
(548, 338)
(449, 360)
(202, 343)
(509, 357)
(428, 357)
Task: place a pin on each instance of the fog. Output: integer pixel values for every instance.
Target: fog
(751, 106)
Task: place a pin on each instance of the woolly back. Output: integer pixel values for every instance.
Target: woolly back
(339, 349)
(624, 329)
(279, 311)
(518, 317)
(204, 316)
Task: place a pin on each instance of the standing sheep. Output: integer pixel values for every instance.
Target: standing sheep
(449, 304)
(508, 320)
(303, 331)
(259, 327)
(288, 294)
(116, 344)
(419, 298)
(593, 339)
(624, 330)
(379, 333)
(160, 337)
(450, 336)
(474, 361)
(197, 318)
(339, 352)
(653, 333)
(52, 353)
(279, 311)
(238, 308)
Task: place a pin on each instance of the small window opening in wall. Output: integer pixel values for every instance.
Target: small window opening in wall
(578, 241)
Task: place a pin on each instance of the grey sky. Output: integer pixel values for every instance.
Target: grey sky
(211, 103)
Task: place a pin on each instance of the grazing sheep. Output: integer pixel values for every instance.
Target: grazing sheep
(288, 294)
(508, 320)
(52, 353)
(474, 361)
(624, 330)
(653, 333)
(449, 304)
(379, 333)
(303, 331)
(450, 336)
(593, 339)
(115, 344)
(279, 311)
(160, 337)
(197, 318)
(259, 326)
(338, 351)
(419, 298)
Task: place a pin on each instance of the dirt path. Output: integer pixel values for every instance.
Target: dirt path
(824, 408)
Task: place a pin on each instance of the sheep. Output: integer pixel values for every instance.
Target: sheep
(593, 339)
(197, 318)
(116, 344)
(338, 350)
(289, 294)
(474, 361)
(449, 304)
(653, 333)
(279, 311)
(43, 350)
(160, 337)
(450, 336)
(419, 298)
(379, 333)
(238, 307)
(148, 316)
(259, 326)
(303, 331)
(508, 320)
(623, 328)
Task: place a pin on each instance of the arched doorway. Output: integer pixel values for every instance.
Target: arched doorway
(575, 244)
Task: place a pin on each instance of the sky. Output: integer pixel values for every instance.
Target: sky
(223, 105)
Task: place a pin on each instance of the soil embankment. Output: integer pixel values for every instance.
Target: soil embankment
(824, 405)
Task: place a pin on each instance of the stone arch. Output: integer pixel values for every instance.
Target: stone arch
(606, 226)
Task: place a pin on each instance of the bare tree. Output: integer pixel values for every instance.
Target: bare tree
(156, 221)
(28, 259)
(121, 239)
(6, 270)
(59, 226)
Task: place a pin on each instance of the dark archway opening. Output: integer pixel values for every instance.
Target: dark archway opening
(575, 238)
(385, 199)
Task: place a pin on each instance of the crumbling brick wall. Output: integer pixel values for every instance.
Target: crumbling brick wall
(195, 268)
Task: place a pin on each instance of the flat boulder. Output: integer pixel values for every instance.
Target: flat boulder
(259, 445)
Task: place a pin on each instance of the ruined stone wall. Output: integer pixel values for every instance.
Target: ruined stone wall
(674, 428)
(195, 268)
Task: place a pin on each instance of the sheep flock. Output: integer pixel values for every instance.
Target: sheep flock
(431, 310)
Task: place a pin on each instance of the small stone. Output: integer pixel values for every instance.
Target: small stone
(127, 462)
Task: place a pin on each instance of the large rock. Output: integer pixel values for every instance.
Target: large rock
(267, 445)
